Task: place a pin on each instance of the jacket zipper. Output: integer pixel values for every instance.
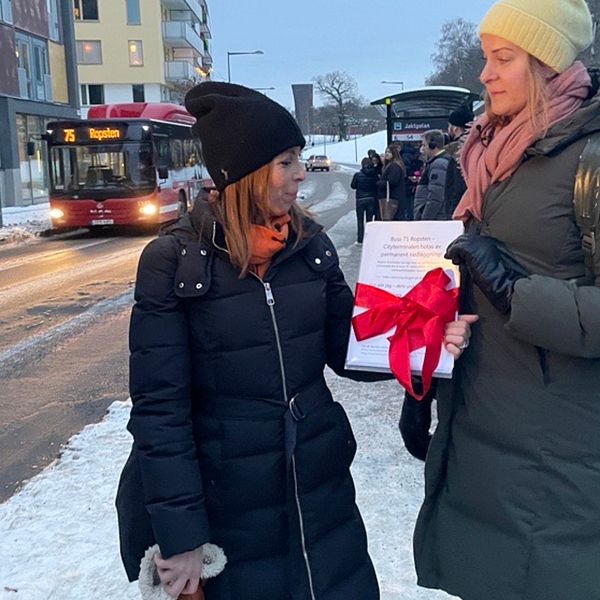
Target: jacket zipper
(271, 304)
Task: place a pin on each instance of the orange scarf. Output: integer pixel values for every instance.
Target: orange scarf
(266, 241)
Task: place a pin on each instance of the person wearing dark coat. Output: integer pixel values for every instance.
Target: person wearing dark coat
(365, 184)
(512, 477)
(391, 188)
(459, 122)
(237, 441)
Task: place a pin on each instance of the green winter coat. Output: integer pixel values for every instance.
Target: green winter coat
(512, 506)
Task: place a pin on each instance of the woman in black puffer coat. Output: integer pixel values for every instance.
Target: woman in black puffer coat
(237, 440)
(391, 187)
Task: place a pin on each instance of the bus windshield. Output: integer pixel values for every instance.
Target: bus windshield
(102, 171)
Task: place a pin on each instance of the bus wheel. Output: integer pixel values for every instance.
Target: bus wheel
(182, 206)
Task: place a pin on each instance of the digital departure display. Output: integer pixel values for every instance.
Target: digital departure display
(72, 135)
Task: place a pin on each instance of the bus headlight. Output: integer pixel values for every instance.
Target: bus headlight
(56, 213)
(149, 209)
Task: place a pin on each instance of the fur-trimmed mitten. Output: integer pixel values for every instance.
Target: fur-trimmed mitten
(213, 559)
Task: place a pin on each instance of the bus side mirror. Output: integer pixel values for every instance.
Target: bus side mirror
(30, 148)
(163, 173)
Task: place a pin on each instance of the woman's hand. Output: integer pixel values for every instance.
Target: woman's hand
(457, 335)
(180, 573)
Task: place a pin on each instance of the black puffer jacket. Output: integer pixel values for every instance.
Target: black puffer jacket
(218, 456)
(394, 176)
(365, 183)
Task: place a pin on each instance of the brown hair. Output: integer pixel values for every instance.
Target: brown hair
(394, 149)
(537, 100)
(246, 203)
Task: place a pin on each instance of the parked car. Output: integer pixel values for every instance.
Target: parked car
(320, 162)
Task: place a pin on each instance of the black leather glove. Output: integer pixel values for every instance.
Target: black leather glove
(415, 420)
(491, 266)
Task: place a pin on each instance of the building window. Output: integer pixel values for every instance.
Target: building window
(85, 10)
(6, 11)
(136, 55)
(53, 20)
(139, 94)
(89, 52)
(32, 68)
(133, 12)
(34, 179)
(92, 93)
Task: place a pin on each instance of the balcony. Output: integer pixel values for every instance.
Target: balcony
(205, 31)
(180, 70)
(180, 34)
(207, 61)
(194, 5)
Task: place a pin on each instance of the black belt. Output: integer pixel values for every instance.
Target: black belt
(298, 408)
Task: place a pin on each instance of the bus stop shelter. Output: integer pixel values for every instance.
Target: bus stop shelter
(410, 114)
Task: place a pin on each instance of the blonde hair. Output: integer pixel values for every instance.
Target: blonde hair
(537, 100)
(246, 203)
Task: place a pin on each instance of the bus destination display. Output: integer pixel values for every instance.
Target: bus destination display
(72, 135)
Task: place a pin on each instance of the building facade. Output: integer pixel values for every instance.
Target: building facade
(38, 83)
(140, 50)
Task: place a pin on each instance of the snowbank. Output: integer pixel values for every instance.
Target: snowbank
(349, 152)
(22, 223)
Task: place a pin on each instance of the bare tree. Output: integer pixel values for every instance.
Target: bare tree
(338, 89)
(458, 59)
(180, 88)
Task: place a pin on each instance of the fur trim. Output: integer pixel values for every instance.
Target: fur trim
(213, 563)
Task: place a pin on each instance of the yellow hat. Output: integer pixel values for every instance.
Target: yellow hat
(554, 31)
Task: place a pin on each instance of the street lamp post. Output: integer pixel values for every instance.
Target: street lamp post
(229, 53)
(396, 83)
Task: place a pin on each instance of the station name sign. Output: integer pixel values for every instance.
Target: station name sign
(411, 130)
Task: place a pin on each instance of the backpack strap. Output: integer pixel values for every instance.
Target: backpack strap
(586, 200)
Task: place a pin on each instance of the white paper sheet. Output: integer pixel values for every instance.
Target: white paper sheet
(395, 257)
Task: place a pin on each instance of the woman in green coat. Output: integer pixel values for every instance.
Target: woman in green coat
(512, 506)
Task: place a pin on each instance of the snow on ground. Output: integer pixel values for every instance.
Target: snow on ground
(337, 197)
(59, 533)
(350, 151)
(21, 223)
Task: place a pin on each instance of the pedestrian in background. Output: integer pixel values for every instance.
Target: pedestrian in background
(459, 122)
(410, 155)
(391, 187)
(431, 197)
(365, 184)
(513, 470)
(377, 163)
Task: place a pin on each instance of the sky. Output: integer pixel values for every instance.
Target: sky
(373, 41)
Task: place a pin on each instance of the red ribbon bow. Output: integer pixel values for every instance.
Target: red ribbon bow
(419, 317)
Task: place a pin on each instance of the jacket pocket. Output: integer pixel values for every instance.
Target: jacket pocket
(348, 441)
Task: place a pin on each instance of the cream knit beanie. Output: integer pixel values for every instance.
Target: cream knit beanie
(554, 31)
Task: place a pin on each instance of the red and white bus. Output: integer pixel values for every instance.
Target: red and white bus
(126, 164)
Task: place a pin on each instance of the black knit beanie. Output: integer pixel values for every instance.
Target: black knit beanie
(461, 116)
(240, 129)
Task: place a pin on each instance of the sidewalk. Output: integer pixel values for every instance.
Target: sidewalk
(60, 531)
(20, 223)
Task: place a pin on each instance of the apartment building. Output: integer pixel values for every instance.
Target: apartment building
(139, 50)
(38, 83)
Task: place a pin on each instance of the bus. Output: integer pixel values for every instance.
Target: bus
(126, 164)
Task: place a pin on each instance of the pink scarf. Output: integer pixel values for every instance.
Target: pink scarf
(484, 165)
